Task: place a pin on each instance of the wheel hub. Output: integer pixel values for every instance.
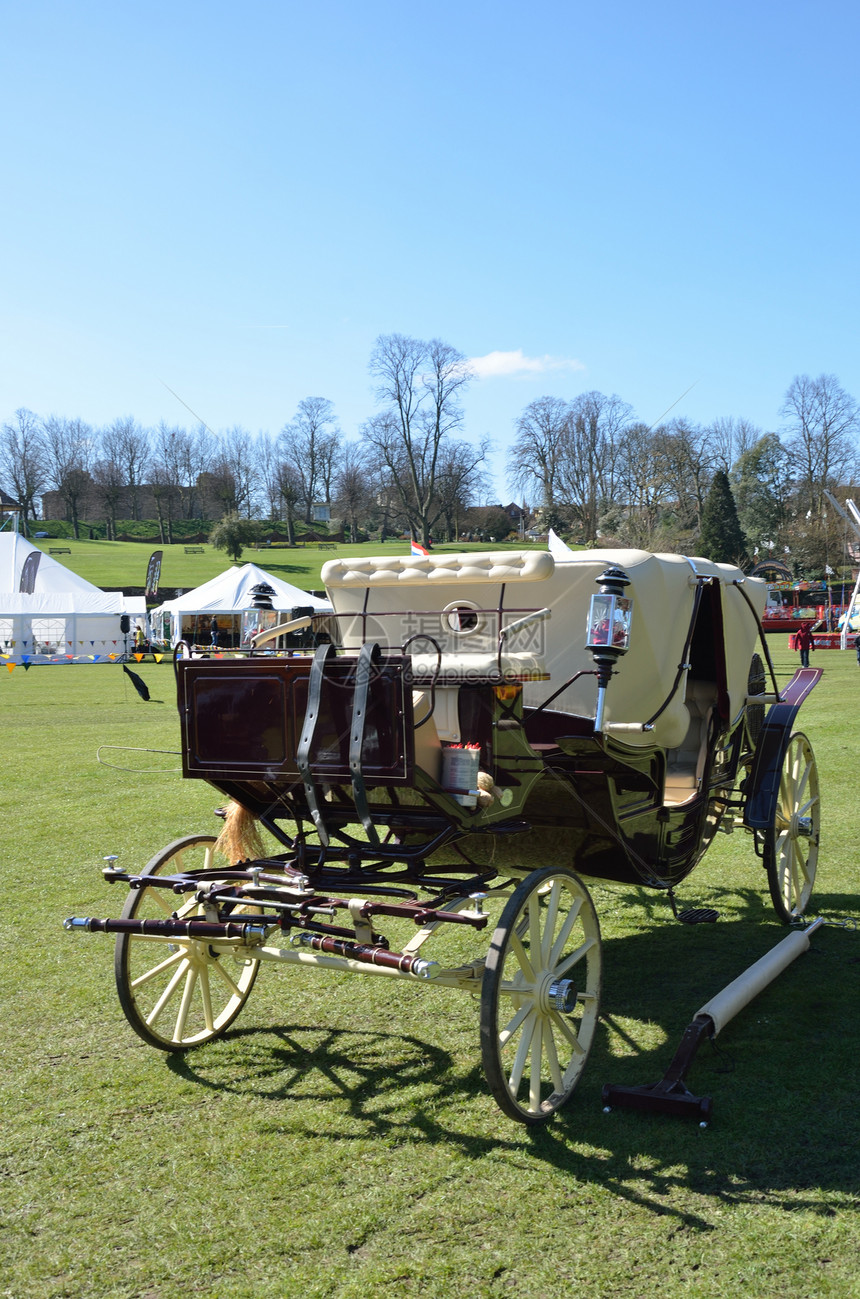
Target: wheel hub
(558, 995)
(802, 827)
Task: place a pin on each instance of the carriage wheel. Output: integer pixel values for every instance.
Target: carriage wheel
(540, 994)
(180, 993)
(791, 842)
(754, 717)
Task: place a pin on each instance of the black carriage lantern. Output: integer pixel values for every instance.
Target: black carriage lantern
(608, 634)
(262, 594)
(262, 616)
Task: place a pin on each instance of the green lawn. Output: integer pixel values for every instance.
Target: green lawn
(340, 1140)
(115, 564)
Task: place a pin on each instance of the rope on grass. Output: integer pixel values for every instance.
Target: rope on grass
(141, 771)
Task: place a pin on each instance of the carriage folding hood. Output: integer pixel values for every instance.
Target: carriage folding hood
(392, 598)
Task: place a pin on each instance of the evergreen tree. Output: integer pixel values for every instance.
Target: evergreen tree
(721, 538)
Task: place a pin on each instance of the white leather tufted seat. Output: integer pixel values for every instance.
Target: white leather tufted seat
(404, 570)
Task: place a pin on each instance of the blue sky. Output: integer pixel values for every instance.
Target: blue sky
(235, 200)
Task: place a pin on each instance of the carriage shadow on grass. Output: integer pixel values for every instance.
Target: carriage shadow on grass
(780, 1074)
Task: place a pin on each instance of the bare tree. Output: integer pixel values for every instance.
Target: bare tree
(127, 445)
(821, 431)
(459, 481)
(534, 459)
(420, 386)
(109, 479)
(644, 488)
(192, 455)
(290, 491)
(237, 461)
(69, 449)
(590, 463)
(352, 492)
(268, 466)
(683, 450)
(164, 480)
(729, 438)
(309, 444)
(23, 461)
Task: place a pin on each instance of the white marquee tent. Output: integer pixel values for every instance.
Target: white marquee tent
(60, 615)
(225, 597)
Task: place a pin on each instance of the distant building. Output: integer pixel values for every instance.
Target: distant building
(9, 509)
(211, 497)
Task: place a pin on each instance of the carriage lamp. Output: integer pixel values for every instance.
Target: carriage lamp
(262, 615)
(608, 634)
(262, 594)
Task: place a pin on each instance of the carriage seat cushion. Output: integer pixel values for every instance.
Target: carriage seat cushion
(407, 570)
(685, 764)
(477, 668)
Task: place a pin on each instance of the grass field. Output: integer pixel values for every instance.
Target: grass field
(116, 564)
(341, 1140)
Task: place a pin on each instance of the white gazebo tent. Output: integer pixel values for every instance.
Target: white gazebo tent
(226, 597)
(48, 613)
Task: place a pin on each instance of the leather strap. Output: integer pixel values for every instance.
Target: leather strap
(303, 753)
(368, 657)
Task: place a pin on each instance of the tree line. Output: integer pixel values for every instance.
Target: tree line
(408, 470)
(605, 476)
(588, 467)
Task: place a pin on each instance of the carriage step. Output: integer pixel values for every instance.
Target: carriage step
(698, 916)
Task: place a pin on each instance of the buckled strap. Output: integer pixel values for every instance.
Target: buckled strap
(368, 657)
(303, 753)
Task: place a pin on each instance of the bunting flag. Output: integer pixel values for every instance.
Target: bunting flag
(10, 667)
(139, 657)
(158, 657)
(112, 657)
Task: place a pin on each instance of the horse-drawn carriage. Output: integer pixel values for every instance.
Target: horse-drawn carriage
(479, 731)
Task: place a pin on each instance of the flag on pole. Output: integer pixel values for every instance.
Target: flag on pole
(418, 549)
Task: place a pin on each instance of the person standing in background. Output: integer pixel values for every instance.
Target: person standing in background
(804, 641)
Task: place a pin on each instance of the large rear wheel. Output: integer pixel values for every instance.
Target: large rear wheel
(540, 995)
(178, 993)
(791, 841)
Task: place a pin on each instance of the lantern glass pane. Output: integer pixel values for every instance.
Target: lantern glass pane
(609, 622)
(255, 620)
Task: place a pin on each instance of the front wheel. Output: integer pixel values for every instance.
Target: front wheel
(791, 841)
(177, 993)
(540, 995)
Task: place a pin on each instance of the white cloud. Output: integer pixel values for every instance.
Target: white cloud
(497, 365)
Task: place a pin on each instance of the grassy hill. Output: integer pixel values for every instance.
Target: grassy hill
(117, 564)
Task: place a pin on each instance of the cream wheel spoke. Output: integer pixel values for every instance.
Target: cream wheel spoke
(533, 1053)
(177, 992)
(157, 970)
